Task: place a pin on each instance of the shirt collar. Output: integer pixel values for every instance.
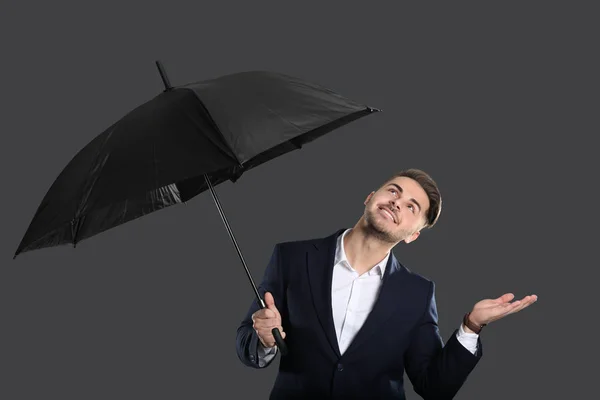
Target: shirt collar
(340, 257)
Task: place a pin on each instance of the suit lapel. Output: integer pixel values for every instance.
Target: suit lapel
(319, 263)
(387, 302)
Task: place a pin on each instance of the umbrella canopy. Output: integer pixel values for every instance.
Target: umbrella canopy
(173, 147)
(180, 143)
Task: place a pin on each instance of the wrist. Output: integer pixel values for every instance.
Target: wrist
(467, 329)
(471, 326)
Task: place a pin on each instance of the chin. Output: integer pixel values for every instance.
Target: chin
(380, 230)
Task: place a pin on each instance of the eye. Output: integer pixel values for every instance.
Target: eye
(412, 208)
(393, 191)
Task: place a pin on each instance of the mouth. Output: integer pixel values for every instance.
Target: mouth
(389, 214)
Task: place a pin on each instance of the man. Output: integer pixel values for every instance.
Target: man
(354, 319)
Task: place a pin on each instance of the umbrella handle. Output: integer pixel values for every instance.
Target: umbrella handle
(276, 334)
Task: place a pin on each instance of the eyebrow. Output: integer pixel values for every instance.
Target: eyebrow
(401, 191)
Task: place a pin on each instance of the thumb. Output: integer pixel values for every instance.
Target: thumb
(270, 301)
(505, 298)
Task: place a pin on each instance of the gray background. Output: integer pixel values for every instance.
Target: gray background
(494, 100)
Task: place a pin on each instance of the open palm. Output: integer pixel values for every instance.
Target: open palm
(490, 310)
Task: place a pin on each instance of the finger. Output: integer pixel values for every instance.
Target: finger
(518, 303)
(516, 306)
(265, 337)
(505, 298)
(523, 303)
(265, 313)
(266, 323)
(534, 297)
(527, 299)
(266, 331)
(281, 331)
(502, 310)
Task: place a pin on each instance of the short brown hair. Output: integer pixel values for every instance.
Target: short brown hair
(430, 187)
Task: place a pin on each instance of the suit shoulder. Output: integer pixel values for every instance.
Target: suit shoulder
(417, 278)
(299, 244)
(306, 243)
(310, 243)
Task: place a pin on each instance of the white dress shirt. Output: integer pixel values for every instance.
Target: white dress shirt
(352, 299)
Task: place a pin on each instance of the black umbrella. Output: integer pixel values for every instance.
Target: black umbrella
(182, 142)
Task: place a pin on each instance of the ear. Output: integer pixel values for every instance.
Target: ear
(412, 237)
(368, 198)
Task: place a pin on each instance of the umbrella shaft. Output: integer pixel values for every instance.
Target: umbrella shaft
(218, 204)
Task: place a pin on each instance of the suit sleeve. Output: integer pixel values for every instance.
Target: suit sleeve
(247, 341)
(437, 371)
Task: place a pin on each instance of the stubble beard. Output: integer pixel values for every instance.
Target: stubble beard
(377, 229)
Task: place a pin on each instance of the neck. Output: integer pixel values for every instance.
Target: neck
(363, 250)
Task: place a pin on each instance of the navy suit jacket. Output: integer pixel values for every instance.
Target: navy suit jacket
(400, 334)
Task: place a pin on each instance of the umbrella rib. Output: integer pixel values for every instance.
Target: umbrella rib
(216, 128)
(282, 117)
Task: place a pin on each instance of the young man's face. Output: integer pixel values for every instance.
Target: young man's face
(397, 211)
